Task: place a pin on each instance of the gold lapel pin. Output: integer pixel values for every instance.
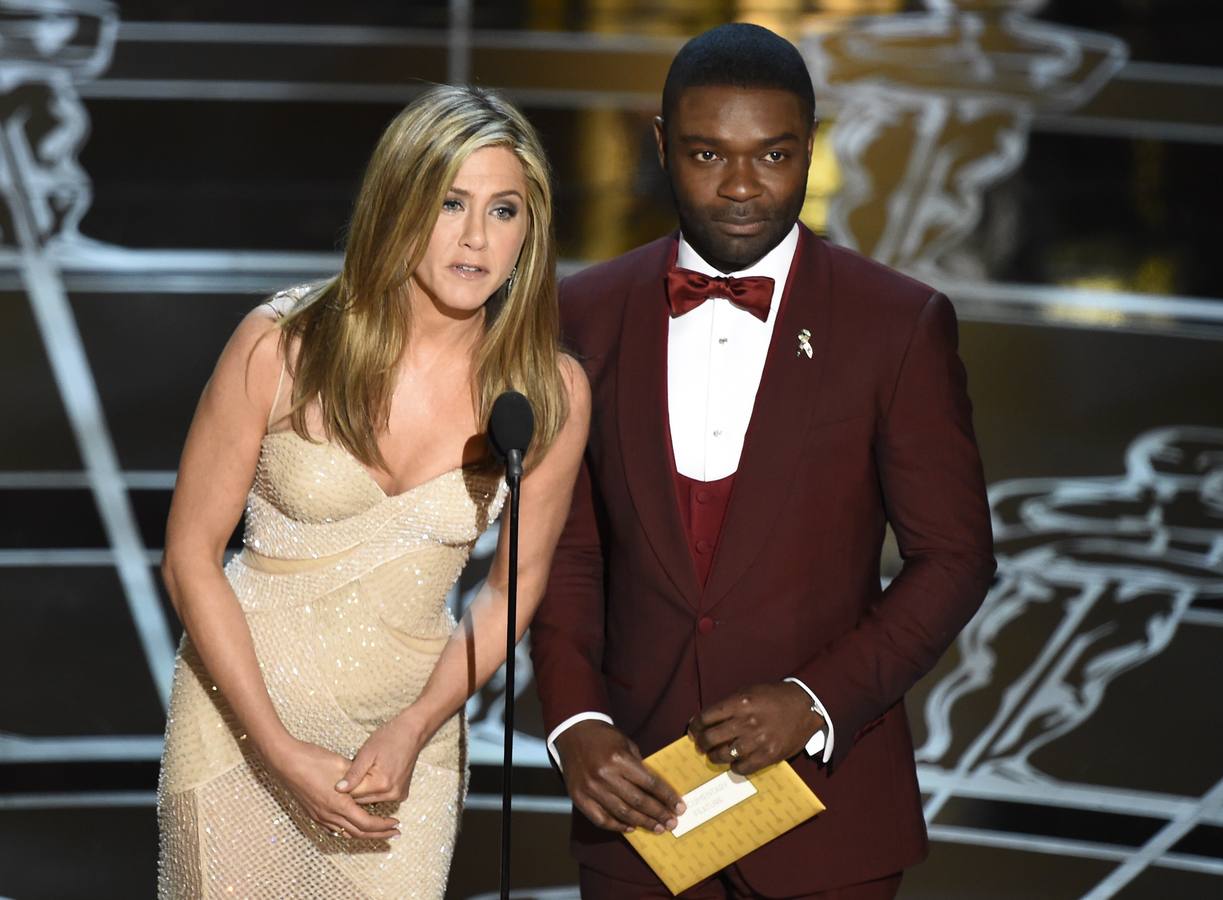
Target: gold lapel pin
(804, 343)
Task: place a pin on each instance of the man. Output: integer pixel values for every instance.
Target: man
(722, 579)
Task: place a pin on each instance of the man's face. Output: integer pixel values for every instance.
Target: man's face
(737, 159)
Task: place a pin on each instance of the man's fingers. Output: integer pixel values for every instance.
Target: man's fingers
(600, 817)
(755, 753)
(647, 811)
(723, 733)
(750, 765)
(620, 802)
(719, 712)
(657, 788)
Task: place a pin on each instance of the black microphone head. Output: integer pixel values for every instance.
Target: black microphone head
(510, 425)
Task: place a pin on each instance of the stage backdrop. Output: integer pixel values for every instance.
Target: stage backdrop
(1053, 167)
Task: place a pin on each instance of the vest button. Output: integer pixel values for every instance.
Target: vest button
(706, 625)
(703, 496)
(703, 546)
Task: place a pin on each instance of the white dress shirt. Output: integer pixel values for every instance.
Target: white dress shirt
(715, 357)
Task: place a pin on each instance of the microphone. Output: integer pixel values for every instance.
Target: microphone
(510, 427)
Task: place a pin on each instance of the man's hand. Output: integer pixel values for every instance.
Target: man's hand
(756, 727)
(610, 785)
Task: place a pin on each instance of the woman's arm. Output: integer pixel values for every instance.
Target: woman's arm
(382, 769)
(215, 474)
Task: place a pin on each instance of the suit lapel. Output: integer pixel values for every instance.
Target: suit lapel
(645, 437)
(775, 436)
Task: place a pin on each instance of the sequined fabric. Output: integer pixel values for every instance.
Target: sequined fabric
(344, 591)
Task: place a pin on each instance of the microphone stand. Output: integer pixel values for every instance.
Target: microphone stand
(513, 472)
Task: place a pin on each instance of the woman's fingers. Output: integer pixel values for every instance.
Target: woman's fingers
(384, 797)
(361, 764)
(354, 830)
(367, 822)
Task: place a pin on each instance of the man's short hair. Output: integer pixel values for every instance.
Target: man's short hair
(738, 55)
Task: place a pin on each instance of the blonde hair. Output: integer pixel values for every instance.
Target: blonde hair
(351, 330)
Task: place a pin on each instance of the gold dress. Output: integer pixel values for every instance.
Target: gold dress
(343, 588)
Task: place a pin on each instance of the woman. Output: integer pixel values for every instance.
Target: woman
(316, 711)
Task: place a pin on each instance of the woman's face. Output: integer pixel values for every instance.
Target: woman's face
(479, 232)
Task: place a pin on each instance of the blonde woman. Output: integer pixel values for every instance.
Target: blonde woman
(315, 744)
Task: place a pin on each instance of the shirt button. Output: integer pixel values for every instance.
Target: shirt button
(703, 496)
(717, 432)
(703, 546)
(706, 625)
(722, 340)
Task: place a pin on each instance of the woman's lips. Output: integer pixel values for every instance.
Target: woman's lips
(468, 273)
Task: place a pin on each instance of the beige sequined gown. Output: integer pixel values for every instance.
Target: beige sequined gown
(344, 591)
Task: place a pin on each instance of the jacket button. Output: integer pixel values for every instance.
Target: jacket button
(706, 625)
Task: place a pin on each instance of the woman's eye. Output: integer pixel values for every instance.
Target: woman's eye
(451, 205)
(505, 212)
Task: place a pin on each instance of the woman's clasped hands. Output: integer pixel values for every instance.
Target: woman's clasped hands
(333, 791)
(382, 769)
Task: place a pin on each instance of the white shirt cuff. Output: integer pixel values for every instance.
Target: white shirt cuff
(569, 723)
(821, 742)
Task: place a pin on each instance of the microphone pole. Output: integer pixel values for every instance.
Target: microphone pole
(514, 479)
(510, 428)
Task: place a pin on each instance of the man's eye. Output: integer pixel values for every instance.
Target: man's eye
(706, 155)
(775, 156)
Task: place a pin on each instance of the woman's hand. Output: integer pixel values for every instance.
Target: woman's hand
(382, 769)
(310, 772)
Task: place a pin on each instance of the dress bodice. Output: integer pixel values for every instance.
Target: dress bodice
(314, 499)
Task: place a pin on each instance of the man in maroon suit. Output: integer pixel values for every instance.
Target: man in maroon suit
(764, 403)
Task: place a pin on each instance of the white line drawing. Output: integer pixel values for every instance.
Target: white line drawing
(48, 47)
(1117, 564)
(936, 107)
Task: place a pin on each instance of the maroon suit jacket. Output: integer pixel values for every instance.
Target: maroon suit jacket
(875, 428)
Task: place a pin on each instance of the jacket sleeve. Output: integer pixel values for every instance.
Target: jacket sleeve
(567, 631)
(934, 496)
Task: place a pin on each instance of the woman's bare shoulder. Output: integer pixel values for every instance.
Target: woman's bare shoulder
(577, 386)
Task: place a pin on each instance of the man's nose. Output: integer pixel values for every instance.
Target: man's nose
(740, 182)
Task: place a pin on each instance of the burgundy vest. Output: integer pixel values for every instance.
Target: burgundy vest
(702, 508)
(703, 504)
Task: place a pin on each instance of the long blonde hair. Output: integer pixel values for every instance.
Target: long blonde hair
(351, 330)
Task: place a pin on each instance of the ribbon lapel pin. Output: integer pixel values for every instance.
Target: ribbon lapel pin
(804, 344)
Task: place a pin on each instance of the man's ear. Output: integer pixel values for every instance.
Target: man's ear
(660, 139)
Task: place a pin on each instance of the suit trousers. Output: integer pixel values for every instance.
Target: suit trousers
(726, 885)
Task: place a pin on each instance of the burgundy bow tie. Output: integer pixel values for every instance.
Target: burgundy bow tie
(686, 290)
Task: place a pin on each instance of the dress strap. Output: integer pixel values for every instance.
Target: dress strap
(284, 365)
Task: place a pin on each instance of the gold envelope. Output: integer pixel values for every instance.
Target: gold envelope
(781, 801)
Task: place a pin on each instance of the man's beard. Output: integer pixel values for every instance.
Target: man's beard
(728, 252)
